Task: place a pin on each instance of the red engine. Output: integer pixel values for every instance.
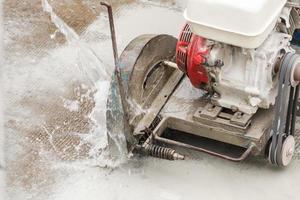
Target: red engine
(191, 57)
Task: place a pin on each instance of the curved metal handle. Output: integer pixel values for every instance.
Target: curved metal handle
(172, 142)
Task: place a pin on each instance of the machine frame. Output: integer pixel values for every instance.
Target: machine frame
(147, 79)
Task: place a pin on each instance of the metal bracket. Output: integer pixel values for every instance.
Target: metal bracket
(240, 119)
(213, 115)
(210, 111)
(159, 102)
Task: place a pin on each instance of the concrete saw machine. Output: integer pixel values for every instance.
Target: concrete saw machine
(227, 86)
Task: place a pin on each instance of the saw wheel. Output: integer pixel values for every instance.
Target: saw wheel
(149, 74)
(143, 76)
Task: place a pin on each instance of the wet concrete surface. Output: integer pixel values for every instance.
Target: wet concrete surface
(55, 138)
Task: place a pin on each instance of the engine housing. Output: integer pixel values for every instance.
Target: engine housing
(237, 78)
(191, 53)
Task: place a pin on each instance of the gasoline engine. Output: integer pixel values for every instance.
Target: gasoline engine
(238, 56)
(237, 78)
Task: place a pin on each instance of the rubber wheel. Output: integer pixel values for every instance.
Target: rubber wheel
(284, 158)
(287, 152)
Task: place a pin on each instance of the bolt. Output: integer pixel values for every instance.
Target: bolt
(290, 152)
(234, 108)
(177, 156)
(216, 95)
(219, 63)
(239, 115)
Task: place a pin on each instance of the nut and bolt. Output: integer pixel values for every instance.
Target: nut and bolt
(216, 95)
(234, 108)
(239, 115)
(219, 63)
(290, 152)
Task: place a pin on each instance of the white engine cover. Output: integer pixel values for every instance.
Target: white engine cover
(243, 23)
(246, 81)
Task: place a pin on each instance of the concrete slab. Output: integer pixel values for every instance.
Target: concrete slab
(54, 98)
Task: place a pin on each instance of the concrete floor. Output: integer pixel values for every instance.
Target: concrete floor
(55, 86)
